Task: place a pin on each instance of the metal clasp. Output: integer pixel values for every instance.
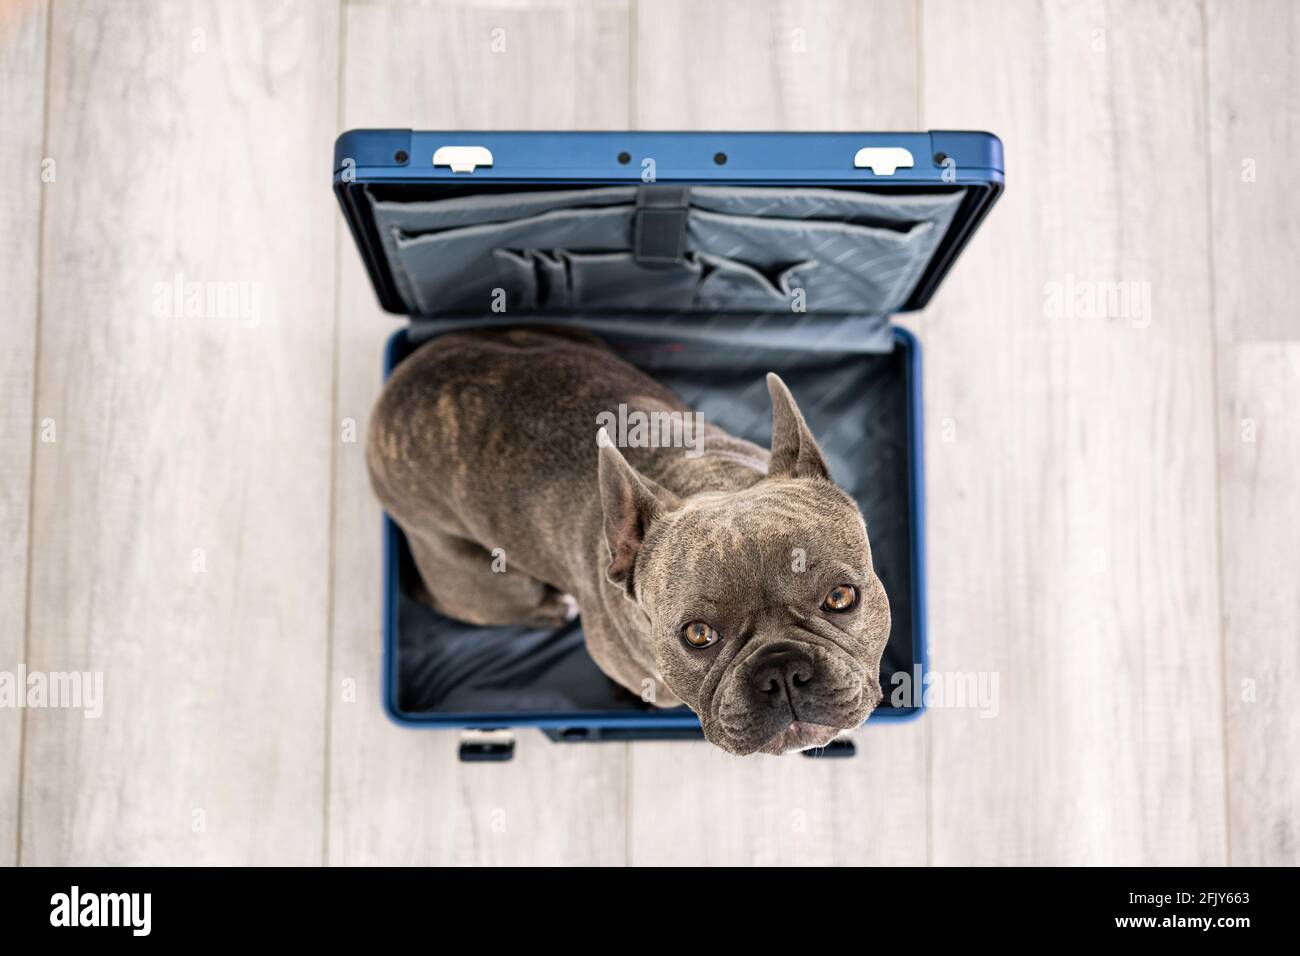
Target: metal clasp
(883, 160)
(462, 159)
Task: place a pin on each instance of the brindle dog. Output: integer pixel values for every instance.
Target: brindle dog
(731, 579)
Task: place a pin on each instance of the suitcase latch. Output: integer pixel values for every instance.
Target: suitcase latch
(477, 746)
(462, 159)
(882, 160)
(659, 229)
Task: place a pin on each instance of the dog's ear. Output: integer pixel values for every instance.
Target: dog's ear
(794, 450)
(631, 503)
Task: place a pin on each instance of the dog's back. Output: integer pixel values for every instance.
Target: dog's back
(490, 435)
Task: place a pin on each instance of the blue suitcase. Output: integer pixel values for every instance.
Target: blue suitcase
(707, 260)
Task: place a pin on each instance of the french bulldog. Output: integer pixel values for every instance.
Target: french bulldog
(732, 579)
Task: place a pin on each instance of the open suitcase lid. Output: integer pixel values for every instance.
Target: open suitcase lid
(662, 221)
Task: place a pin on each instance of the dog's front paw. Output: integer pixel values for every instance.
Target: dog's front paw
(558, 609)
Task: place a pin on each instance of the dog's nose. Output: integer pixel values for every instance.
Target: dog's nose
(783, 674)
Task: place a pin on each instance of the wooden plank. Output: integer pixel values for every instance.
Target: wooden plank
(736, 65)
(22, 117)
(1254, 132)
(776, 65)
(1259, 450)
(399, 795)
(1071, 452)
(693, 804)
(181, 516)
(1254, 126)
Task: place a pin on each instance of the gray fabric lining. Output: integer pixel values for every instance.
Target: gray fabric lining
(839, 205)
(843, 266)
(432, 215)
(749, 249)
(808, 333)
(855, 400)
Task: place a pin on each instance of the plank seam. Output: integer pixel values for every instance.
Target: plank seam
(31, 466)
(326, 777)
(1215, 398)
(633, 121)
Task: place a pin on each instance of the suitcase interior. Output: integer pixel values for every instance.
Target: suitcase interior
(861, 406)
(710, 324)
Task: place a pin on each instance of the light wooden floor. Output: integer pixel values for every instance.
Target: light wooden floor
(1114, 512)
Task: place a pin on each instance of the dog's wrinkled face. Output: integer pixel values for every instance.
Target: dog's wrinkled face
(767, 617)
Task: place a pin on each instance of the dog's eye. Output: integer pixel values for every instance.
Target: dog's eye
(841, 598)
(699, 634)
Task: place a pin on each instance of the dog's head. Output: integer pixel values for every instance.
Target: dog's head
(768, 619)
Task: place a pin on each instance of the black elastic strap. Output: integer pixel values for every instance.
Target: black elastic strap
(660, 225)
